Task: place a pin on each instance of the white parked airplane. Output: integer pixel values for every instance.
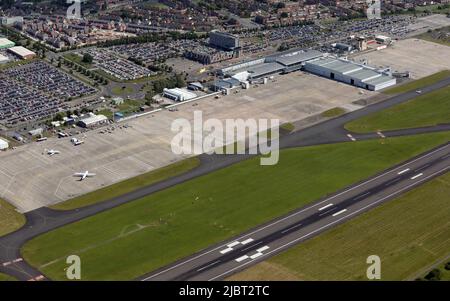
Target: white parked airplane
(84, 175)
(52, 152)
(76, 142)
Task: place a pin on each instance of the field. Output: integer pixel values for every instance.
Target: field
(138, 237)
(129, 185)
(426, 110)
(333, 112)
(4, 277)
(440, 272)
(408, 233)
(419, 83)
(440, 36)
(10, 219)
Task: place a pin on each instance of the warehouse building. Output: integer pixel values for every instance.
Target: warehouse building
(178, 94)
(11, 20)
(3, 144)
(22, 52)
(5, 43)
(92, 120)
(349, 72)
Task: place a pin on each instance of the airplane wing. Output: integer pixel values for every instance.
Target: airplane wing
(90, 174)
(78, 174)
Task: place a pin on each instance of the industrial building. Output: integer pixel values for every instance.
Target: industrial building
(3, 144)
(22, 52)
(11, 20)
(5, 43)
(178, 94)
(92, 121)
(349, 72)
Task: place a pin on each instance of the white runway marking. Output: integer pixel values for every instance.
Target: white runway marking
(256, 255)
(342, 211)
(226, 250)
(247, 241)
(403, 171)
(324, 207)
(233, 244)
(416, 176)
(260, 250)
(242, 258)
(351, 137)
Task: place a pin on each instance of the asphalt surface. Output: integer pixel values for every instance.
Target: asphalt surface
(43, 220)
(240, 252)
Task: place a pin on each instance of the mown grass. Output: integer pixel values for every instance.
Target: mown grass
(143, 235)
(419, 83)
(129, 185)
(4, 277)
(10, 219)
(425, 110)
(407, 233)
(334, 112)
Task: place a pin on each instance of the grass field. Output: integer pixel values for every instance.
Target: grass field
(335, 112)
(140, 236)
(442, 271)
(129, 185)
(122, 90)
(425, 110)
(418, 84)
(408, 234)
(439, 35)
(10, 219)
(4, 277)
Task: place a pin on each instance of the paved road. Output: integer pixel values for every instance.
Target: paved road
(43, 220)
(269, 239)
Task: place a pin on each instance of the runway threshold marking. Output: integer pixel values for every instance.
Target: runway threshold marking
(226, 250)
(12, 261)
(403, 171)
(325, 207)
(242, 258)
(416, 176)
(247, 241)
(260, 250)
(256, 255)
(339, 212)
(233, 244)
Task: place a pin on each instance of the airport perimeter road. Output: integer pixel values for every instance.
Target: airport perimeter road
(269, 239)
(42, 220)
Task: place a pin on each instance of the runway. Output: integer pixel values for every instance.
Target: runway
(269, 239)
(43, 220)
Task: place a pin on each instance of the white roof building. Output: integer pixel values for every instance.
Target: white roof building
(93, 120)
(22, 52)
(3, 144)
(3, 59)
(178, 94)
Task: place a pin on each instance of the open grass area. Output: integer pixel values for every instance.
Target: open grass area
(140, 236)
(288, 127)
(4, 277)
(419, 83)
(129, 185)
(439, 35)
(122, 90)
(334, 112)
(440, 272)
(425, 110)
(408, 233)
(78, 60)
(10, 219)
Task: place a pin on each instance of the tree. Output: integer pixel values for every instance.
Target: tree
(87, 58)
